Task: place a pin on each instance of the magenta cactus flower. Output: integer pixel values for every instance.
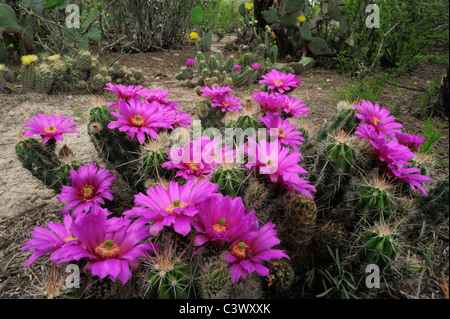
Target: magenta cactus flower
(408, 175)
(190, 62)
(246, 255)
(269, 102)
(281, 167)
(110, 246)
(182, 119)
(215, 90)
(223, 220)
(175, 206)
(256, 66)
(294, 107)
(48, 240)
(124, 92)
(280, 82)
(236, 67)
(379, 118)
(196, 159)
(391, 152)
(412, 141)
(140, 118)
(227, 103)
(49, 128)
(90, 185)
(286, 132)
(158, 95)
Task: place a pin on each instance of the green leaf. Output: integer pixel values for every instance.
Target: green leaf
(242, 10)
(271, 15)
(197, 15)
(36, 5)
(305, 31)
(94, 34)
(324, 293)
(292, 6)
(7, 17)
(50, 4)
(84, 43)
(288, 21)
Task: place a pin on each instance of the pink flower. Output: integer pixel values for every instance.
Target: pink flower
(49, 128)
(410, 140)
(256, 66)
(246, 255)
(286, 133)
(391, 152)
(227, 103)
(236, 67)
(158, 95)
(110, 246)
(366, 131)
(222, 220)
(124, 92)
(196, 159)
(90, 185)
(50, 239)
(190, 62)
(281, 167)
(408, 175)
(294, 107)
(175, 206)
(140, 118)
(379, 118)
(182, 119)
(272, 102)
(280, 82)
(215, 91)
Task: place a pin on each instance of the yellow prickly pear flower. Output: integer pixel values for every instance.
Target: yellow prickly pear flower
(302, 18)
(54, 57)
(193, 35)
(28, 59)
(2, 67)
(248, 5)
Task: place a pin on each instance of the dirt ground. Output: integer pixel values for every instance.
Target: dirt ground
(26, 203)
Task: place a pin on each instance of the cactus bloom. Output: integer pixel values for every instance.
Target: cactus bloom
(49, 128)
(279, 164)
(256, 66)
(227, 103)
(193, 35)
(90, 185)
(223, 220)
(286, 132)
(269, 102)
(246, 255)
(48, 240)
(190, 62)
(379, 118)
(294, 107)
(280, 82)
(110, 246)
(236, 67)
(410, 140)
(29, 59)
(140, 118)
(174, 206)
(215, 91)
(302, 19)
(182, 119)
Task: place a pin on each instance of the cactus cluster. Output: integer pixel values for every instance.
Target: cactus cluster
(81, 73)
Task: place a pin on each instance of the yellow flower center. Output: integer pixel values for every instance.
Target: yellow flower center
(176, 204)
(240, 251)
(70, 238)
(107, 250)
(375, 120)
(50, 129)
(278, 82)
(220, 226)
(281, 133)
(138, 120)
(88, 192)
(193, 166)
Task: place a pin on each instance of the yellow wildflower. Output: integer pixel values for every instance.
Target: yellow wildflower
(302, 18)
(54, 58)
(248, 5)
(193, 35)
(28, 59)
(2, 67)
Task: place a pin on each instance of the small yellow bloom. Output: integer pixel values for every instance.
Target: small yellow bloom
(248, 5)
(54, 58)
(193, 35)
(2, 67)
(28, 59)
(302, 18)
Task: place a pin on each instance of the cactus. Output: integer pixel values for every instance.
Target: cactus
(229, 64)
(98, 82)
(344, 120)
(153, 156)
(213, 280)
(435, 206)
(27, 77)
(281, 275)
(375, 199)
(42, 163)
(84, 60)
(231, 180)
(44, 78)
(379, 245)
